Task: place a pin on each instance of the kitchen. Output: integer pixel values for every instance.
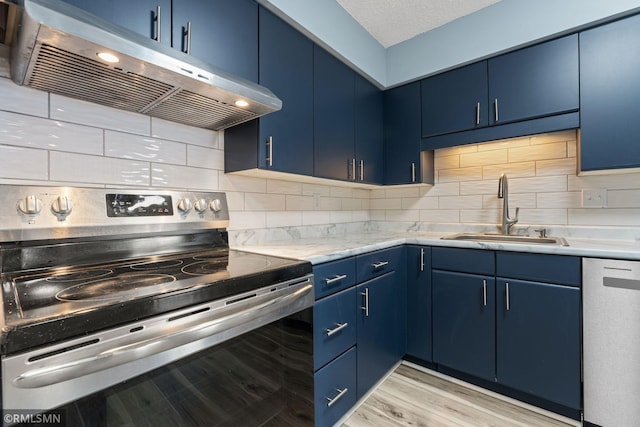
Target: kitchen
(49, 139)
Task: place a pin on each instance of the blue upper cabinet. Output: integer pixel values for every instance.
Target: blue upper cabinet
(281, 141)
(528, 91)
(456, 100)
(224, 33)
(139, 16)
(402, 134)
(538, 81)
(333, 128)
(368, 132)
(610, 96)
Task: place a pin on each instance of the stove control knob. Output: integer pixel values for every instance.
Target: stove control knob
(215, 205)
(61, 206)
(200, 205)
(30, 205)
(184, 205)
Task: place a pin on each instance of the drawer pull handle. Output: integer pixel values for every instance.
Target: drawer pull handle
(484, 293)
(335, 279)
(381, 264)
(338, 396)
(507, 303)
(338, 328)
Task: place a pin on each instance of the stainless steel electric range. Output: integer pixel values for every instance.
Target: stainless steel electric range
(123, 306)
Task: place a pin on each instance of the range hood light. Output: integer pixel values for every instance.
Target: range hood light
(108, 57)
(241, 103)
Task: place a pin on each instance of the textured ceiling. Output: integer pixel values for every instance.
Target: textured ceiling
(394, 21)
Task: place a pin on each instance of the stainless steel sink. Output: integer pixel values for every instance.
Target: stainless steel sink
(504, 238)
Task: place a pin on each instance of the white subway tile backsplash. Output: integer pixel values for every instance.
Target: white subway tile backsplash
(264, 202)
(174, 176)
(24, 100)
(86, 113)
(543, 184)
(513, 170)
(351, 204)
(435, 216)
(402, 215)
(483, 158)
(542, 216)
(165, 129)
(300, 203)
(462, 174)
(547, 138)
(340, 217)
(284, 219)
(81, 168)
(397, 192)
(612, 182)
(316, 189)
(522, 201)
(202, 157)
(441, 189)
(316, 218)
(446, 162)
(35, 132)
(235, 200)
(556, 167)
(330, 204)
(146, 148)
(480, 216)
(556, 150)
(454, 151)
(420, 203)
(247, 220)
(569, 199)
(283, 187)
(242, 183)
(461, 202)
(623, 199)
(23, 163)
(615, 217)
(377, 204)
(504, 144)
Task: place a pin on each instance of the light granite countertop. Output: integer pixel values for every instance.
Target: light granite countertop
(319, 249)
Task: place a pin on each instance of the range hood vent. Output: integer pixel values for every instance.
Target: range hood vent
(56, 50)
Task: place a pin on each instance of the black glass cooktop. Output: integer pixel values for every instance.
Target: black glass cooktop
(64, 302)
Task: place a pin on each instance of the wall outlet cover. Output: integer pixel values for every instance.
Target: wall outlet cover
(595, 198)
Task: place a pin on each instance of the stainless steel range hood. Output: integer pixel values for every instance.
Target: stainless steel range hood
(56, 50)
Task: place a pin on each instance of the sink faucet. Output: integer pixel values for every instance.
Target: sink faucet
(503, 193)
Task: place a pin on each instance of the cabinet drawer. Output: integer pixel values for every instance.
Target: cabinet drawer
(334, 276)
(377, 263)
(559, 269)
(464, 260)
(334, 326)
(335, 389)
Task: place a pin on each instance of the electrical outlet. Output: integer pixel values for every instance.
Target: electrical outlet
(594, 198)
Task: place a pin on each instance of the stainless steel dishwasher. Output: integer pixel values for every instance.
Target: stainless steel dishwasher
(611, 335)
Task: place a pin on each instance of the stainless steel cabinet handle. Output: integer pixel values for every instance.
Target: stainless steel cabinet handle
(421, 259)
(337, 278)
(365, 294)
(477, 113)
(361, 170)
(341, 393)
(484, 293)
(158, 24)
(353, 169)
(495, 108)
(187, 32)
(270, 151)
(413, 172)
(507, 296)
(380, 264)
(338, 328)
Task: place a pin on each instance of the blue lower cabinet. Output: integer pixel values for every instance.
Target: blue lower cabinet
(464, 322)
(334, 326)
(335, 389)
(334, 276)
(538, 339)
(419, 302)
(379, 329)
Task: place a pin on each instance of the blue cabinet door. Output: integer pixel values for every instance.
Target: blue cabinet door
(402, 131)
(419, 302)
(377, 330)
(286, 67)
(464, 322)
(335, 389)
(369, 140)
(224, 33)
(333, 128)
(138, 16)
(456, 100)
(334, 326)
(610, 96)
(538, 340)
(534, 82)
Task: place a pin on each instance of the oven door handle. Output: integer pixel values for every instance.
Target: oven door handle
(298, 296)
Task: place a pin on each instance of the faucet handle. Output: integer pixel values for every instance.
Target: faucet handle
(517, 212)
(542, 231)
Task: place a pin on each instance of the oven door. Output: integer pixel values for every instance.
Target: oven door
(244, 361)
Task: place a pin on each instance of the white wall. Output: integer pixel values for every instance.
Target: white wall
(502, 26)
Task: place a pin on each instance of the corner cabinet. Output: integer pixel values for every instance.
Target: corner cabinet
(222, 33)
(281, 141)
(419, 302)
(369, 133)
(531, 90)
(404, 162)
(610, 96)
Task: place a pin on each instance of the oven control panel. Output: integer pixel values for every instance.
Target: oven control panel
(119, 205)
(37, 213)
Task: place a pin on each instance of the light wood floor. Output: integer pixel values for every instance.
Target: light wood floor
(410, 397)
